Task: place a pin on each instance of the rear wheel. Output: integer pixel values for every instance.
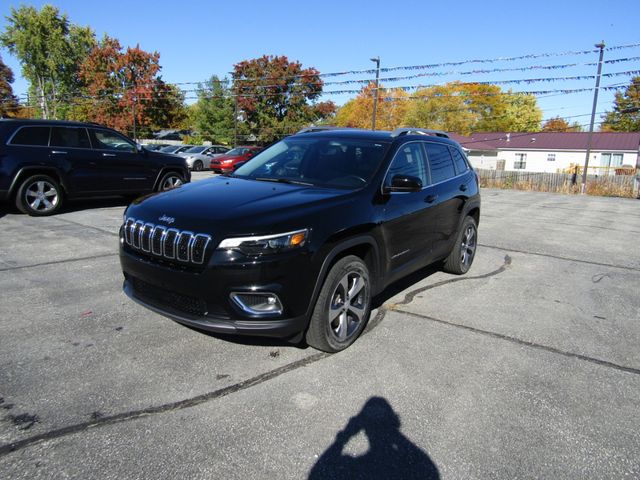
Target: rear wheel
(197, 166)
(170, 180)
(464, 251)
(39, 195)
(343, 306)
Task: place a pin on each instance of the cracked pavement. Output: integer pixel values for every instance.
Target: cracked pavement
(526, 367)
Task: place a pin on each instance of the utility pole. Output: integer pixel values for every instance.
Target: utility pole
(375, 98)
(593, 117)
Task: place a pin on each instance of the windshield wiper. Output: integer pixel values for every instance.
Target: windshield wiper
(283, 180)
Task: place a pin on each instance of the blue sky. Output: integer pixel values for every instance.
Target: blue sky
(199, 38)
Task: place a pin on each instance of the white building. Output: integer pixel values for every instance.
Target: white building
(551, 151)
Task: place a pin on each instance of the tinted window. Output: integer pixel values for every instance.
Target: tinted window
(31, 136)
(106, 140)
(440, 162)
(458, 159)
(409, 160)
(69, 137)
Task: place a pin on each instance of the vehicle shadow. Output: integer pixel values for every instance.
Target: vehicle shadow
(390, 455)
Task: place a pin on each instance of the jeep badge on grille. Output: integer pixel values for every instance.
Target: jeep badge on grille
(168, 220)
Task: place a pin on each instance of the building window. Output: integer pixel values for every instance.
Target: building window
(551, 157)
(611, 160)
(521, 161)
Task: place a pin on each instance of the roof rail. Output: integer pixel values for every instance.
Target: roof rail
(418, 131)
(320, 128)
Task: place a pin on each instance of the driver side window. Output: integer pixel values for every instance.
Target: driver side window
(106, 140)
(409, 160)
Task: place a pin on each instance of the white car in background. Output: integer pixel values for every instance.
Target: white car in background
(199, 157)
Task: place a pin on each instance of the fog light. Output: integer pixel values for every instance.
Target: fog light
(258, 303)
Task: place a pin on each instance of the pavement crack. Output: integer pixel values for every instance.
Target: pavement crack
(57, 262)
(408, 298)
(557, 257)
(526, 343)
(102, 421)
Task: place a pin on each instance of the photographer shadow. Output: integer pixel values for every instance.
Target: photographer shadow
(391, 455)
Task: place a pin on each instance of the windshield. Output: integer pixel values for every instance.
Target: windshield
(195, 150)
(341, 163)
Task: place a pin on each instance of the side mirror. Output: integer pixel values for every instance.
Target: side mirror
(404, 183)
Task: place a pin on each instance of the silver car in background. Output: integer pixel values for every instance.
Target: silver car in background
(199, 157)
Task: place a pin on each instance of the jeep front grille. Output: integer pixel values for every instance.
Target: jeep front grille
(160, 241)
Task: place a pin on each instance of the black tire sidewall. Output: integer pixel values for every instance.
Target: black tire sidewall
(24, 207)
(321, 336)
(459, 267)
(198, 166)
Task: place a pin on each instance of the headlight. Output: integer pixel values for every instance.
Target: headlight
(266, 244)
(226, 161)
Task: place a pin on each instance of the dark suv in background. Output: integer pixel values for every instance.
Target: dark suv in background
(44, 162)
(300, 238)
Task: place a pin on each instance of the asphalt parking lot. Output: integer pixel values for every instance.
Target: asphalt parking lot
(527, 367)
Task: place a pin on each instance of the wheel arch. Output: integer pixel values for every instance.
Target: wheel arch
(163, 171)
(26, 172)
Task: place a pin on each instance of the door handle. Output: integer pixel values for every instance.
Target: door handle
(58, 152)
(463, 187)
(431, 198)
(108, 154)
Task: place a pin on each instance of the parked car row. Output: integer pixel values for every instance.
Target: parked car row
(232, 159)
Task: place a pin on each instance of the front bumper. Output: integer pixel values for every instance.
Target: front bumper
(201, 299)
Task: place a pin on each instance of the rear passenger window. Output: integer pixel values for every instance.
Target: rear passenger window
(69, 137)
(460, 162)
(409, 160)
(440, 162)
(38, 136)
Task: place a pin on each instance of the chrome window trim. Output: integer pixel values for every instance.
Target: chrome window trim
(428, 170)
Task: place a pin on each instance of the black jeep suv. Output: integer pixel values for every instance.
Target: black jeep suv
(43, 162)
(300, 238)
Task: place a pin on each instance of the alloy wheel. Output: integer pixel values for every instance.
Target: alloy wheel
(348, 306)
(41, 196)
(468, 247)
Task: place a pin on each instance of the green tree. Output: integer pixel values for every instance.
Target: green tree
(276, 97)
(8, 101)
(625, 116)
(213, 112)
(472, 107)
(50, 49)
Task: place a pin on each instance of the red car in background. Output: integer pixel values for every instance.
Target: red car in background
(227, 163)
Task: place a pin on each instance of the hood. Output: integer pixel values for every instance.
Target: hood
(237, 205)
(224, 156)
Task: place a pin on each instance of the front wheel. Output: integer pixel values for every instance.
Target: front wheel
(343, 306)
(170, 180)
(197, 166)
(464, 250)
(39, 195)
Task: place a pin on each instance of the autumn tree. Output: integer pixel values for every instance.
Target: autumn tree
(49, 49)
(124, 85)
(625, 116)
(214, 111)
(559, 124)
(276, 97)
(468, 107)
(8, 101)
(392, 107)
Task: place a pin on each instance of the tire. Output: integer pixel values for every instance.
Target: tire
(39, 196)
(197, 166)
(338, 319)
(170, 180)
(464, 250)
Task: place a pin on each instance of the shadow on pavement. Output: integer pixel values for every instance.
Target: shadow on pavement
(390, 455)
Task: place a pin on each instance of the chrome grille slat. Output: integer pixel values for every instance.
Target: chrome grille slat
(170, 243)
